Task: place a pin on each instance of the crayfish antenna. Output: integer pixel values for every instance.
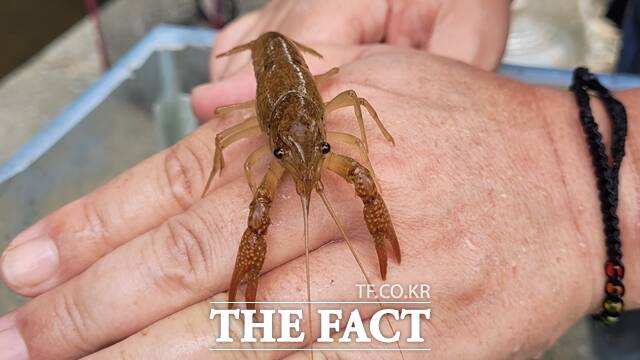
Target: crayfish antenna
(333, 214)
(305, 213)
(237, 49)
(209, 179)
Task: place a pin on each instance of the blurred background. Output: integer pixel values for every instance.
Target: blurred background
(53, 50)
(25, 29)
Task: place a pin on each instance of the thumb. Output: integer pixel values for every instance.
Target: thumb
(234, 89)
(477, 36)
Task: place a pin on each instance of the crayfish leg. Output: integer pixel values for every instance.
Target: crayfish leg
(307, 49)
(228, 109)
(350, 98)
(250, 161)
(345, 138)
(247, 128)
(375, 211)
(320, 78)
(253, 246)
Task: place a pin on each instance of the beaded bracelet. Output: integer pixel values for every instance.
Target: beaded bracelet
(607, 175)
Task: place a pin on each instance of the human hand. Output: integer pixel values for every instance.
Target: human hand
(494, 206)
(469, 31)
(474, 32)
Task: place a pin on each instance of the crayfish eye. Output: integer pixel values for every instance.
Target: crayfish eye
(325, 148)
(278, 153)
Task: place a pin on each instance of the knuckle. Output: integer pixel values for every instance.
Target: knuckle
(475, 281)
(97, 222)
(184, 169)
(188, 243)
(74, 324)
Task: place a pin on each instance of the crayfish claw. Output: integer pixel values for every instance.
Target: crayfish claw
(253, 246)
(376, 215)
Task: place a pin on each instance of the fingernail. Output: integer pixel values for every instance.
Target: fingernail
(30, 263)
(12, 345)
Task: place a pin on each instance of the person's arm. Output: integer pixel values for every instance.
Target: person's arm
(561, 113)
(489, 186)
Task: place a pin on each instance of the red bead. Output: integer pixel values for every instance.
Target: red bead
(613, 269)
(614, 289)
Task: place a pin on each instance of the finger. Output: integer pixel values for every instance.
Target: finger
(306, 22)
(242, 85)
(11, 343)
(480, 41)
(233, 90)
(162, 271)
(67, 241)
(334, 274)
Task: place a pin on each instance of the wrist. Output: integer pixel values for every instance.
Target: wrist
(576, 166)
(629, 211)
